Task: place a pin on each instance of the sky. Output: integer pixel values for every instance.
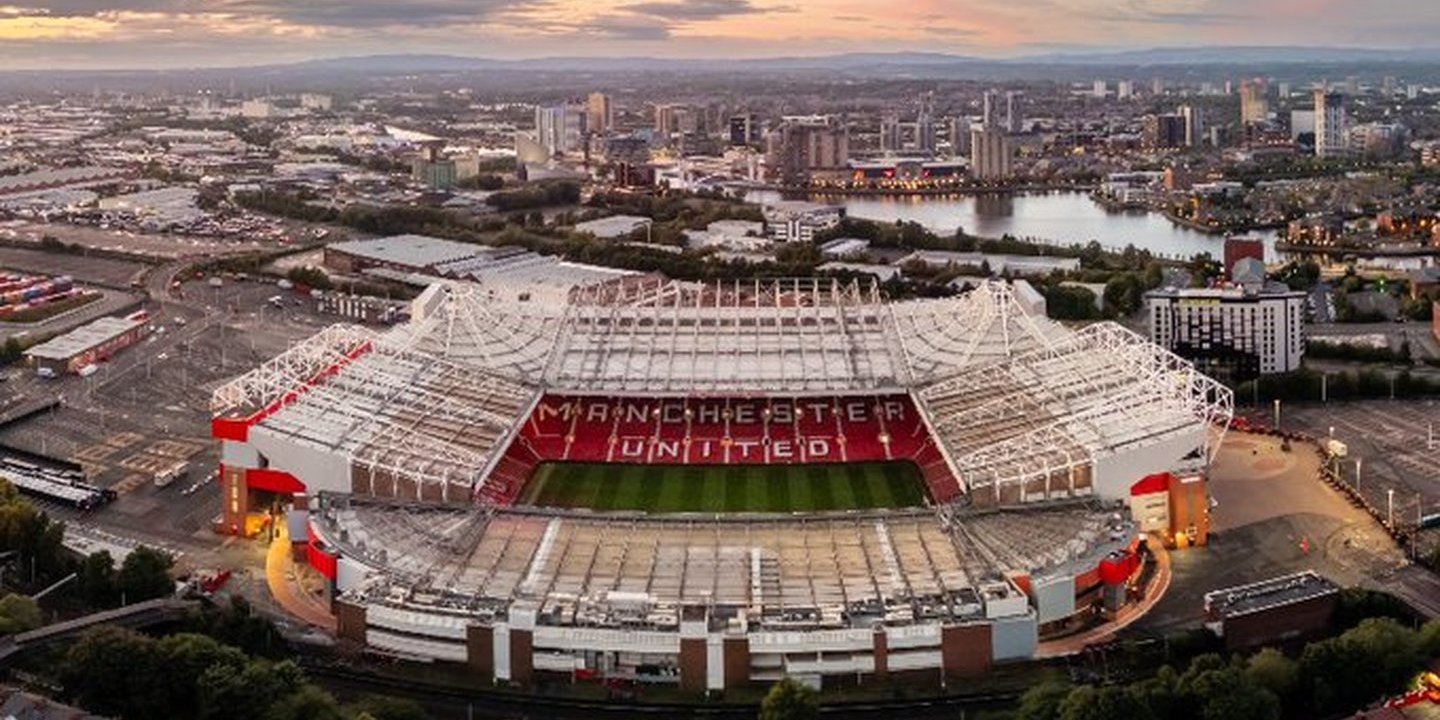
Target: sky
(52, 34)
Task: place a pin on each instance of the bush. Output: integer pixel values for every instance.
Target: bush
(536, 196)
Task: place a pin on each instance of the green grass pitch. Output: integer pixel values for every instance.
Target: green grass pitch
(725, 488)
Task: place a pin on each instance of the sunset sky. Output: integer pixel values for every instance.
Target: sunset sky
(183, 33)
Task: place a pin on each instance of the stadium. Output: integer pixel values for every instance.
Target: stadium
(715, 484)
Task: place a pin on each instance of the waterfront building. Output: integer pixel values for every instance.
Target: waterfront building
(802, 145)
(990, 154)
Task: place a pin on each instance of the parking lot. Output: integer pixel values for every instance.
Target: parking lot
(90, 270)
(148, 408)
(160, 247)
(1272, 516)
(1391, 457)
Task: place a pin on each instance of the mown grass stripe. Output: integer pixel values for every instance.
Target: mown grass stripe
(719, 488)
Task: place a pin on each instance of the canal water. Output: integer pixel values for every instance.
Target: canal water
(1061, 218)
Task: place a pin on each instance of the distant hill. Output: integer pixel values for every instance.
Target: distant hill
(390, 64)
(1220, 55)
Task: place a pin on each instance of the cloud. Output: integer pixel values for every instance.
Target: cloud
(692, 10)
(327, 13)
(656, 20)
(624, 27)
(380, 13)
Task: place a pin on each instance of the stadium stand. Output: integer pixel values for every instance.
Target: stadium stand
(413, 444)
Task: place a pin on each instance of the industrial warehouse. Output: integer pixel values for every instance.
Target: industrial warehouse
(419, 450)
(84, 346)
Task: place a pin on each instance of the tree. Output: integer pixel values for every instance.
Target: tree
(379, 707)
(789, 700)
(189, 656)
(145, 575)
(1154, 275)
(1107, 703)
(97, 580)
(1270, 669)
(237, 625)
(1430, 639)
(1228, 694)
(29, 532)
(1124, 294)
(18, 613)
(228, 694)
(309, 276)
(1042, 701)
(307, 703)
(1070, 302)
(1375, 658)
(113, 671)
(1161, 694)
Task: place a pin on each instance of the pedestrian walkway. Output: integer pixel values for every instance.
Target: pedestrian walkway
(282, 576)
(1072, 644)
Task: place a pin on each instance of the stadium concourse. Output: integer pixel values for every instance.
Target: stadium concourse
(414, 450)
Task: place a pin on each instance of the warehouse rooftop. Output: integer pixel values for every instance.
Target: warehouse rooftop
(417, 251)
(83, 338)
(1267, 594)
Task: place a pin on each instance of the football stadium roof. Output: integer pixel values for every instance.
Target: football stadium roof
(1015, 399)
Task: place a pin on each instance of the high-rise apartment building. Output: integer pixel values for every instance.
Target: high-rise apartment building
(671, 119)
(990, 154)
(745, 129)
(561, 129)
(802, 145)
(1331, 132)
(925, 132)
(600, 115)
(891, 138)
(1164, 132)
(1012, 112)
(1254, 105)
(959, 136)
(1194, 125)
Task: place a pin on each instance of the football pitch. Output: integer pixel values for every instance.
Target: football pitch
(725, 488)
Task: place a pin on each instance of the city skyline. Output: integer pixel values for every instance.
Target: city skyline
(91, 34)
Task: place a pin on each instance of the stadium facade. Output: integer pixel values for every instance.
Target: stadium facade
(412, 446)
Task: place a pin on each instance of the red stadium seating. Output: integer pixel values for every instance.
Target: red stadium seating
(712, 431)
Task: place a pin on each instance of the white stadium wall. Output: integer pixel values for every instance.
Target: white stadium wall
(1116, 472)
(1014, 638)
(321, 469)
(238, 454)
(1054, 597)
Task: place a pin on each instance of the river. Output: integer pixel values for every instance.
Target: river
(1055, 217)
